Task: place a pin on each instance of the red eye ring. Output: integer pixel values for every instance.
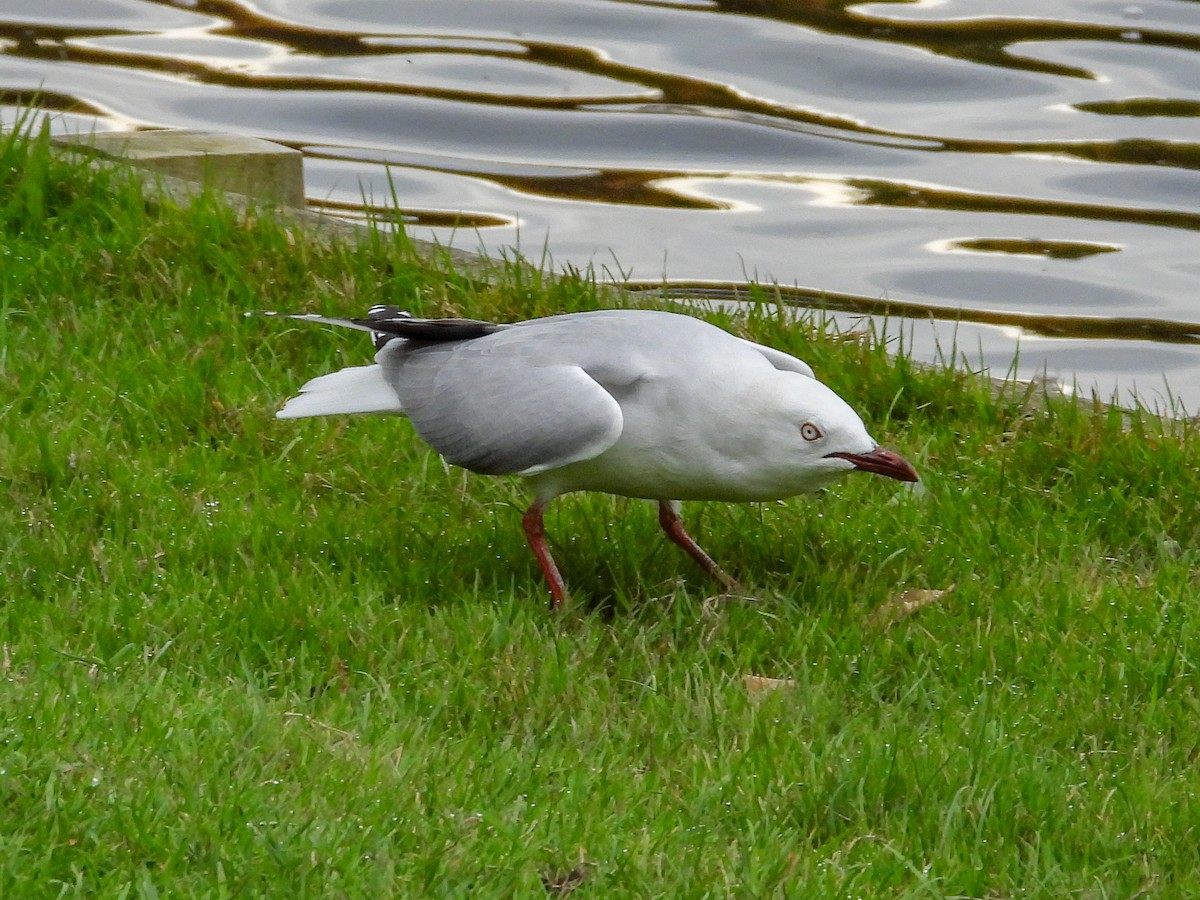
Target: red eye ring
(810, 432)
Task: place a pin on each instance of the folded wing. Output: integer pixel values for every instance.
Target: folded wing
(497, 415)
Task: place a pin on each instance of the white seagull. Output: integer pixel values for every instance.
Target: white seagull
(642, 403)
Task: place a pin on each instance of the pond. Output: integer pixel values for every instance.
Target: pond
(987, 179)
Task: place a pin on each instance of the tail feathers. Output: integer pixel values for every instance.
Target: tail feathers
(358, 389)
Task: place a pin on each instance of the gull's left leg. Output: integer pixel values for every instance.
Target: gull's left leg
(668, 518)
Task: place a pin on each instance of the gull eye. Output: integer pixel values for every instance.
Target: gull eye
(810, 432)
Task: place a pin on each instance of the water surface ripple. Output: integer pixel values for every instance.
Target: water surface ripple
(977, 175)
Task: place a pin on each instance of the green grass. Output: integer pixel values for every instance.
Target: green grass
(246, 657)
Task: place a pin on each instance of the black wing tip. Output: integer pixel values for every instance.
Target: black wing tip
(405, 325)
(386, 323)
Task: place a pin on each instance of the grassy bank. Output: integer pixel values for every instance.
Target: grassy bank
(249, 657)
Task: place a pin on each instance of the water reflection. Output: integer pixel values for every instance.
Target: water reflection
(1011, 167)
(1061, 326)
(1026, 247)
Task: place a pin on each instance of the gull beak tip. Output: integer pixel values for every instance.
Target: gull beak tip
(881, 461)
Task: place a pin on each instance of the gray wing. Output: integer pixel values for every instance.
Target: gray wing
(502, 416)
(780, 360)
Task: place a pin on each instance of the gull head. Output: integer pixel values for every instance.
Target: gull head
(815, 437)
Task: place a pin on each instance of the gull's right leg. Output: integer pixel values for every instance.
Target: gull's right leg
(535, 533)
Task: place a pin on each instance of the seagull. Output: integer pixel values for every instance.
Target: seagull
(643, 403)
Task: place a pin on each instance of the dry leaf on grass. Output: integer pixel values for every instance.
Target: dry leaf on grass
(904, 604)
(758, 686)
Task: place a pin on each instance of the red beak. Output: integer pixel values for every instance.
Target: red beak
(881, 462)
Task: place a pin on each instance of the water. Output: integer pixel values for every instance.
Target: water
(992, 174)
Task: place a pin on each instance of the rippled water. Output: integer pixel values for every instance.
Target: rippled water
(998, 171)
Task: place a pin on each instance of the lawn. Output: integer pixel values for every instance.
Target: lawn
(248, 657)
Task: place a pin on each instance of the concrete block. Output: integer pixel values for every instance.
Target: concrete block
(241, 165)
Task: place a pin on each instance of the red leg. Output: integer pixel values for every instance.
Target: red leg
(535, 533)
(668, 518)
